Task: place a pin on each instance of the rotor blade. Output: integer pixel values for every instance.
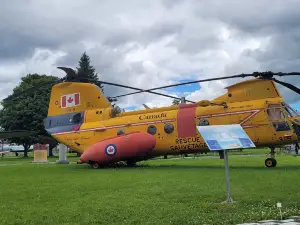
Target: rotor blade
(30, 90)
(268, 74)
(16, 133)
(290, 86)
(134, 88)
(185, 83)
(287, 74)
(71, 74)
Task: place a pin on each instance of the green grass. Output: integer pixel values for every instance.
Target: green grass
(175, 191)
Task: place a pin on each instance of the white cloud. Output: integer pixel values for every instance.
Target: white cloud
(149, 43)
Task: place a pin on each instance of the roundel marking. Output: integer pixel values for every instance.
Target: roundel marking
(110, 150)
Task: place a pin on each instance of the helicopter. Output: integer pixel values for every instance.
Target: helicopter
(83, 119)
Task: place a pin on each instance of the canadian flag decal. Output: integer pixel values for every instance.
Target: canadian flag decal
(70, 100)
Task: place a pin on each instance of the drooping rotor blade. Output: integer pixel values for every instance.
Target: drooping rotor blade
(184, 83)
(134, 88)
(290, 86)
(264, 75)
(72, 76)
(16, 133)
(30, 90)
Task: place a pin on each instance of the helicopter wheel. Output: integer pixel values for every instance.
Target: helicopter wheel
(95, 165)
(270, 162)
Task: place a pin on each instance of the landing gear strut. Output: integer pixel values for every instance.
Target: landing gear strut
(271, 162)
(131, 163)
(95, 165)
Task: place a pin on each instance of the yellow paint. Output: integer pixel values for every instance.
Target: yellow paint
(252, 96)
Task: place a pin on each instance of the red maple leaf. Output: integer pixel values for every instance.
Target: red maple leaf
(70, 100)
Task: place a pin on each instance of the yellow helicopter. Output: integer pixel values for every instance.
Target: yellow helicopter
(82, 118)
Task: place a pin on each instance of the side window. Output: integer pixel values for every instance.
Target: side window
(274, 112)
(281, 126)
(120, 132)
(169, 128)
(152, 130)
(203, 122)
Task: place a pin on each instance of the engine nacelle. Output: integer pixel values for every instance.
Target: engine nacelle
(119, 148)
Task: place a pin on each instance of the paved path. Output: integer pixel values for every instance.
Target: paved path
(295, 220)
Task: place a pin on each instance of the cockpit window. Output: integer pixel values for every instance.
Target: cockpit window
(63, 120)
(275, 113)
(291, 112)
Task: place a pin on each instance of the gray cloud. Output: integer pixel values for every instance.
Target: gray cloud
(151, 43)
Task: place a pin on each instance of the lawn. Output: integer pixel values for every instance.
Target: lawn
(170, 191)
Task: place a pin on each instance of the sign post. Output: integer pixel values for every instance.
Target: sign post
(229, 198)
(222, 138)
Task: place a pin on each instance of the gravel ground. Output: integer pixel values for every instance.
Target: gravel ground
(295, 220)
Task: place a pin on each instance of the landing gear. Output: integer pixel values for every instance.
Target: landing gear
(95, 165)
(131, 163)
(271, 162)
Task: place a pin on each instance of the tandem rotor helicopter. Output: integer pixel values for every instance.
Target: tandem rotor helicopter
(82, 118)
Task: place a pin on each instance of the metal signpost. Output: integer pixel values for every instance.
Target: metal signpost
(222, 138)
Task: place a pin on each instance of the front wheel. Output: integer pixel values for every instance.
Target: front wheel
(270, 162)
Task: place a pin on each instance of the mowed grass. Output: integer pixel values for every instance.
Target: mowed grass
(172, 191)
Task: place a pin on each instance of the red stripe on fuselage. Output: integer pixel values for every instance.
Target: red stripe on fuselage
(186, 125)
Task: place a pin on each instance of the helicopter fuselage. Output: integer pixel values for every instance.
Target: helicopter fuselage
(254, 104)
(174, 128)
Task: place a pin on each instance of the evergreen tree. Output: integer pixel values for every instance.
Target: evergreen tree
(87, 71)
(176, 101)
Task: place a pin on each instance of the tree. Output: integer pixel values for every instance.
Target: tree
(87, 71)
(176, 101)
(27, 112)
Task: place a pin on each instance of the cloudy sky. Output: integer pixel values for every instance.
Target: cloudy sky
(152, 43)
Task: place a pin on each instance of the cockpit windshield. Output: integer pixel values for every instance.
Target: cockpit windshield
(291, 112)
(275, 112)
(294, 116)
(277, 116)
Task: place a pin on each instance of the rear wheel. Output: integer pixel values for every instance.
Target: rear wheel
(270, 162)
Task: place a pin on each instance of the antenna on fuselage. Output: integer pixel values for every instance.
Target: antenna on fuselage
(182, 100)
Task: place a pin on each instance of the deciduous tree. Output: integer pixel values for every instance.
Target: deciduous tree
(28, 111)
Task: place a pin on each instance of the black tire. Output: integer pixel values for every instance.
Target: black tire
(95, 165)
(270, 162)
